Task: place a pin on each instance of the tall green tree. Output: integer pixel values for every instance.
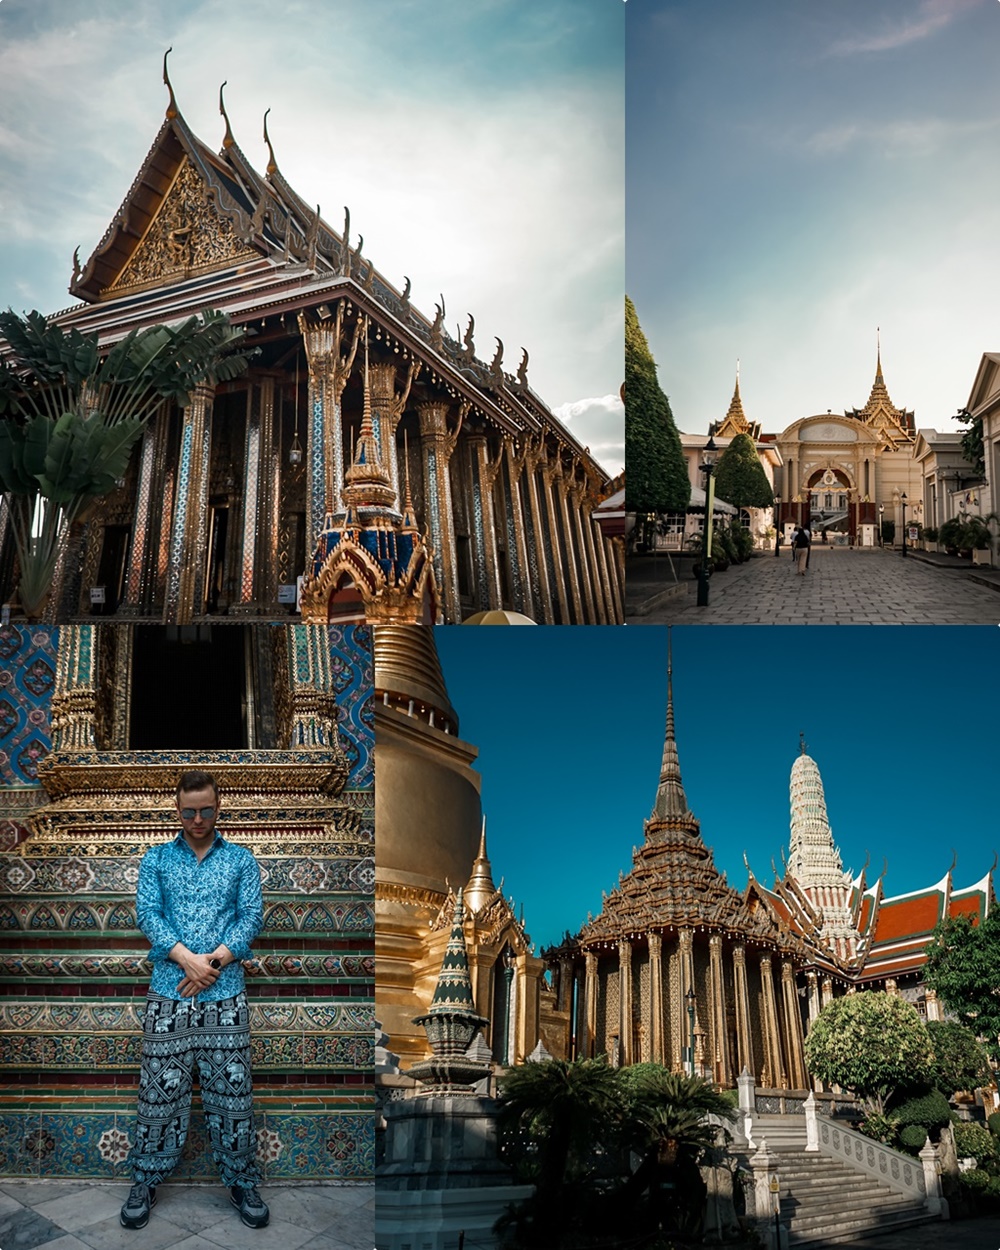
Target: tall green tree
(963, 966)
(960, 1062)
(70, 417)
(740, 478)
(656, 478)
(870, 1043)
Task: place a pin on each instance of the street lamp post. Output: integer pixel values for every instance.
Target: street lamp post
(690, 997)
(902, 500)
(881, 522)
(777, 525)
(706, 545)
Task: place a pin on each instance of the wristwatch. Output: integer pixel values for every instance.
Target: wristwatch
(216, 964)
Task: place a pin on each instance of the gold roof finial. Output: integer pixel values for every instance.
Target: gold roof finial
(272, 164)
(878, 351)
(172, 109)
(802, 742)
(367, 481)
(228, 140)
(409, 525)
(480, 888)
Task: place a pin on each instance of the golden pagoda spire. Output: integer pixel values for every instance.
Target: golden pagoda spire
(480, 888)
(227, 140)
(409, 525)
(671, 801)
(367, 481)
(735, 421)
(172, 109)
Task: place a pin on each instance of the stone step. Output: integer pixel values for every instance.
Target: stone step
(835, 1235)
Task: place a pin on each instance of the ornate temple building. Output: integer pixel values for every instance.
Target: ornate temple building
(681, 969)
(93, 735)
(367, 466)
(431, 844)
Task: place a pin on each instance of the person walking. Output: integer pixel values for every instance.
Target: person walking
(800, 549)
(199, 903)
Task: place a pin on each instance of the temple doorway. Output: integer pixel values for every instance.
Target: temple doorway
(831, 509)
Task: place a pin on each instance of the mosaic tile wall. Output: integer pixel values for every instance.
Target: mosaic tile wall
(27, 676)
(73, 967)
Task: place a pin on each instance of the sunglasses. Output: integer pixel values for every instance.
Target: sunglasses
(189, 813)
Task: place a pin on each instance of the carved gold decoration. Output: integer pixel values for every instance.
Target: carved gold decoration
(188, 235)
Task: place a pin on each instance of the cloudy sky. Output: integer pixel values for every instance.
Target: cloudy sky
(800, 174)
(478, 145)
(570, 738)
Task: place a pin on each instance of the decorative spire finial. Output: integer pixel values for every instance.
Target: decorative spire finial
(172, 110)
(227, 140)
(671, 801)
(272, 164)
(802, 742)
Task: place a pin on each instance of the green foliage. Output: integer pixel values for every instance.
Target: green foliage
(870, 1043)
(930, 1110)
(742, 539)
(993, 1123)
(931, 533)
(665, 1111)
(888, 531)
(723, 549)
(963, 966)
(656, 478)
(960, 1063)
(976, 1180)
(740, 478)
(912, 1138)
(972, 441)
(71, 418)
(975, 1141)
(880, 1127)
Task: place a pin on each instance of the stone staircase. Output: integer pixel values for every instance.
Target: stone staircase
(824, 1201)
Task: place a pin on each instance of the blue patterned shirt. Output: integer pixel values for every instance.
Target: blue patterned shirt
(200, 903)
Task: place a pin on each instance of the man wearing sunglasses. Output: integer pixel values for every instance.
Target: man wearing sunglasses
(198, 901)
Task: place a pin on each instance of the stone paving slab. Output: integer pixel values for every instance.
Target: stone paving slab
(842, 587)
(83, 1215)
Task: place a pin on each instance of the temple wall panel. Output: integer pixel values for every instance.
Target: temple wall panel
(608, 1008)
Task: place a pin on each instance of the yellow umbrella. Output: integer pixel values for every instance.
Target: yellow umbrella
(499, 616)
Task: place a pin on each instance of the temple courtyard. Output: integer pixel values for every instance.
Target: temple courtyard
(83, 1215)
(843, 586)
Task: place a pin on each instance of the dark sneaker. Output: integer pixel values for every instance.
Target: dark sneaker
(252, 1208)
(141, 1199)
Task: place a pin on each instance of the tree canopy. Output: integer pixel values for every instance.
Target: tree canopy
(656, 478)
(963, 967)
(870, 1043)
(960, 1062)
(740, 478)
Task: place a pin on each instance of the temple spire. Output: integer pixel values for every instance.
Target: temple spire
(671, 802)
(813, 859)
(172, 109)
(480, 889)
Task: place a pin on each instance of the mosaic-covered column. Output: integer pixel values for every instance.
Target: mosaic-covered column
(590, 997)
(438, 444)
(793, 1027)
(592, 537)
(487, 564)
(185, 594)
(720, 1035)
(774, 1073)
(516, 539)
(657, 1052)
(140, 584)
(625, 1001)
(538, 564)
(563, 486)
(257, 558)
(74, 696)
(550, 475)
(329, 370)
(313, 710)
(577, 493)
(827, 990)
(744, 1033)
(812, 988)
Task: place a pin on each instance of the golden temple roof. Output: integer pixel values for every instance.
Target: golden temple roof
(408, 674)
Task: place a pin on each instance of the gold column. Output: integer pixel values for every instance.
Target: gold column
(721, 1062)
(590, 998)
(523, 594)
(141, 579)
(616, 560)
(657, 1051)
(744, 1033)
(258, 536)
(577, 494)
(185, 593)
(827, 990)
(438, 444)
(933, 1006)
(604, 615)
(609, 579)
(793, 1027)
(774, 1072)
(532, 457)
(563, 487)
(625, 1000)
(685, 943)
(486, 572)
(387, 409)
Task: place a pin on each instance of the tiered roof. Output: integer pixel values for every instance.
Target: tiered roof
(895, 425)
(735, 421)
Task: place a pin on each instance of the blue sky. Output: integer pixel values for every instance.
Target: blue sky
(569, 724)
(478, 146)
(800, 174)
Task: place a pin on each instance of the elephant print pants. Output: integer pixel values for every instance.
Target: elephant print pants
(177, 1036)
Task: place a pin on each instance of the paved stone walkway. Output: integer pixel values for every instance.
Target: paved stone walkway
(977, 1234)
(842, 587)
(83, 1215)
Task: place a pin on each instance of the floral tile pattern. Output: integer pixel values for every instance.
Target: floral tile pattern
(27, 676)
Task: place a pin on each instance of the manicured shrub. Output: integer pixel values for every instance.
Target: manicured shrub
(930, 1110)
(912, 1138)
(993, 1122)
(972, 1140)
